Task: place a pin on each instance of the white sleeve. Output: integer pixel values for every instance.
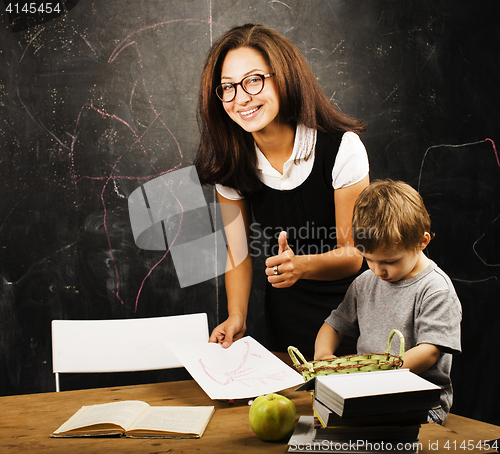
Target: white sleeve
(351, 164)
(228, 193)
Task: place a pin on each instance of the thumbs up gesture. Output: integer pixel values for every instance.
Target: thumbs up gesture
(283, 243)
(282, 270)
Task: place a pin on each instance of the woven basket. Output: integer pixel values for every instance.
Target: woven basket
(350, 363)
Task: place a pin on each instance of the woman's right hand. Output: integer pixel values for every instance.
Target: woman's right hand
(229, 331)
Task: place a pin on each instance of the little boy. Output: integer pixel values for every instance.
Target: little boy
(403, 289)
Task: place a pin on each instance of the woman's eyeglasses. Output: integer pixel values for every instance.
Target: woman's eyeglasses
(252, 84)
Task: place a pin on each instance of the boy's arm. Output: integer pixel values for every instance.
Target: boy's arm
(420, 358)
(327, 341)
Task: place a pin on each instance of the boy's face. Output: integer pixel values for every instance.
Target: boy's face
(395, 264)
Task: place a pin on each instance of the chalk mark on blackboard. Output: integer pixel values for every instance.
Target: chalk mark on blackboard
(137, 141)
(125, 43)
(11, 211)
(429, 57)
(498, 217)
(40, 124)
(396, 88)
(282, 3)
(113, 178)
(476, 281)
(455, 146)
(478, 240)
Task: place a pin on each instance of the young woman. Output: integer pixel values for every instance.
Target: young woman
(277, 149)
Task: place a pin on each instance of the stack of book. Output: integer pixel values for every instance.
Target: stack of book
(366, 412)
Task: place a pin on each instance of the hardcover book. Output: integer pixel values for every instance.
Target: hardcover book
(329, 418)
(376, 393)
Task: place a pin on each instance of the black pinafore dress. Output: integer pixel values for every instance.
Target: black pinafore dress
(295, 314)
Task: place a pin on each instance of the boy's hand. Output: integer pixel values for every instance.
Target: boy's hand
(326, 343)
(420, 358)
(324, 358)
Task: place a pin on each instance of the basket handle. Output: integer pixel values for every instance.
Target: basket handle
(294, 352)
(401, 343)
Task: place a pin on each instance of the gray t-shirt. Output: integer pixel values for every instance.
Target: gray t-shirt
(425, 309)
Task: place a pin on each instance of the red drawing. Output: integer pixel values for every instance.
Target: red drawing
(242, 373)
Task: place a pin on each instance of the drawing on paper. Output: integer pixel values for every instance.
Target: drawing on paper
(243, 373)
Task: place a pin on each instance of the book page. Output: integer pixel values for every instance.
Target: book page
(122, 414)
(181, 420)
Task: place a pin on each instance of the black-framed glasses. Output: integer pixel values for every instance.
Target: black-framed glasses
(252, 84)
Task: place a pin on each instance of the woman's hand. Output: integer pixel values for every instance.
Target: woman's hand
(286, 264)
(229, 331)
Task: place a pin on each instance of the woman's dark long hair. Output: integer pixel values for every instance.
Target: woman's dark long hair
(226, 153)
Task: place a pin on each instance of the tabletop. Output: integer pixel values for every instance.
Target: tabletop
(26, 422)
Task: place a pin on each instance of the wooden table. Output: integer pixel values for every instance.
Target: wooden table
(27, 420)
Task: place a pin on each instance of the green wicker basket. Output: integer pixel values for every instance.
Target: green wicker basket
(351, 363)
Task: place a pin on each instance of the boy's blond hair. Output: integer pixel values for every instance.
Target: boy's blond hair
(389, 214)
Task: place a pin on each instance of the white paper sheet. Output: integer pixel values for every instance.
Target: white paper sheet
(244, 370)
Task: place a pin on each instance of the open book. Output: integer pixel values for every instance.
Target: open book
(133, 418)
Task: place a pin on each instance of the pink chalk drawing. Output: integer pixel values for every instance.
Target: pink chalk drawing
(152, 119)
(246, 375)
(137, 141)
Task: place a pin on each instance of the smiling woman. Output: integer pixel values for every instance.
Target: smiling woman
(258, 112)
(278, 150)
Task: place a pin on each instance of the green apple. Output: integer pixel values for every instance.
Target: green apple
(272, 417)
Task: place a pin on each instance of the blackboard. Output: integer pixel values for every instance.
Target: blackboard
(101, 98)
